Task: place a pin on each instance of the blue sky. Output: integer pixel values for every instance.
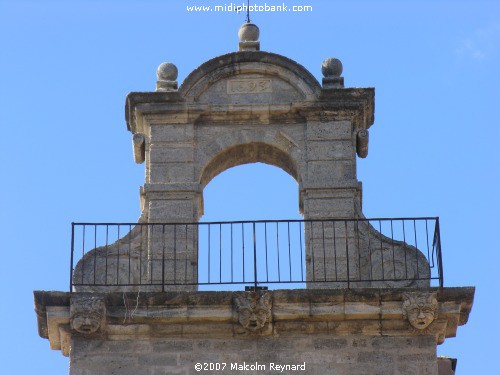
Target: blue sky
(66, 67)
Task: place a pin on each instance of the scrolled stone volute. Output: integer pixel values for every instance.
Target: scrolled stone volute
(420, 309)
(254, 312)
(87, 314)
(139, 147)
(362, 140)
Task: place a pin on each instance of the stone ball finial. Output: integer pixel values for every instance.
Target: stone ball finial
(331, 67)
(167, 72)
(248, 32)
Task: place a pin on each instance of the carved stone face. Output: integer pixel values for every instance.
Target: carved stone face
(86, 324)
(252, 319)
(254, 312)
(420, 309)
(87, 314)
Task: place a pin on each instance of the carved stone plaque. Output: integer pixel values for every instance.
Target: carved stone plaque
(249, 86)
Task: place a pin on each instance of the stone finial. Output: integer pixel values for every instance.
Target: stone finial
(332, 71)
(249, 37)
(167, 77)
(87, 314)
(420, 309)
(254, 312)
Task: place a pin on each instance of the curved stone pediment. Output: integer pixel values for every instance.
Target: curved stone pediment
(250, 77)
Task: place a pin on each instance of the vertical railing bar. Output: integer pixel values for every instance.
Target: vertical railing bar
(324, 248)
(265, 246)
(195, 238)
(393, 253)
(434, 244)
(175, 254)
(118, 258)
(83, 252)
(95, 250)
(129, 251)
(335, 251)
(370, 250)
(404, 249)
(106, 261)
(289, 252)
(163, 260)
(347, 255)
(243, 243)
(381, 248)
(140, 257)
(439, 255)
(427, 241)
(301, 253)
(359, 250)
(208, 253)
(278, 251)
(313, 251)
(416, 246)
(151, 261)
(232, 262)
(220, 253)
(71, 268)
(254, 258)
(186, 256)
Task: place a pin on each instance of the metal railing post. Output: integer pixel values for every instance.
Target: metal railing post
(71, 257)
(439, 256)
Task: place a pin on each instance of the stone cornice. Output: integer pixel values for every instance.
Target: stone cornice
(333, 104)
(372, 312)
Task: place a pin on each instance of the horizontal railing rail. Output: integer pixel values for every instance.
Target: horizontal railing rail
(337, 253)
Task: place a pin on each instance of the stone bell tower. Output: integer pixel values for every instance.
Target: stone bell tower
(347, 294)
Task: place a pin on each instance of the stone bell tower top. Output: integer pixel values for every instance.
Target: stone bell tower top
(366, 283)
(259, 106)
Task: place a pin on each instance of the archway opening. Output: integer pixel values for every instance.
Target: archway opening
(257, 198)
(253, 152)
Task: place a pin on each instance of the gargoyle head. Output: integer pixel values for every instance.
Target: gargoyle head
(254, 311)
(87, 314)
(420, 309)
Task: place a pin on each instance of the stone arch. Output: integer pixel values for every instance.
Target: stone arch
(247, 153)
(293, 81)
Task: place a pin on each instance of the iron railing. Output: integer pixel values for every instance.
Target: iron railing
(380, 252)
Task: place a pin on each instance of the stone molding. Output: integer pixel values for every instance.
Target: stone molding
(371, 312)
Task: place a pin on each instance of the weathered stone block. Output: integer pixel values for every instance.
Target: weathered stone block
(171, 153)
(329, 343)
(158, 360)
(375, 356)
(329, 130)
(171, 133)
(330, 150)
(168, 173)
